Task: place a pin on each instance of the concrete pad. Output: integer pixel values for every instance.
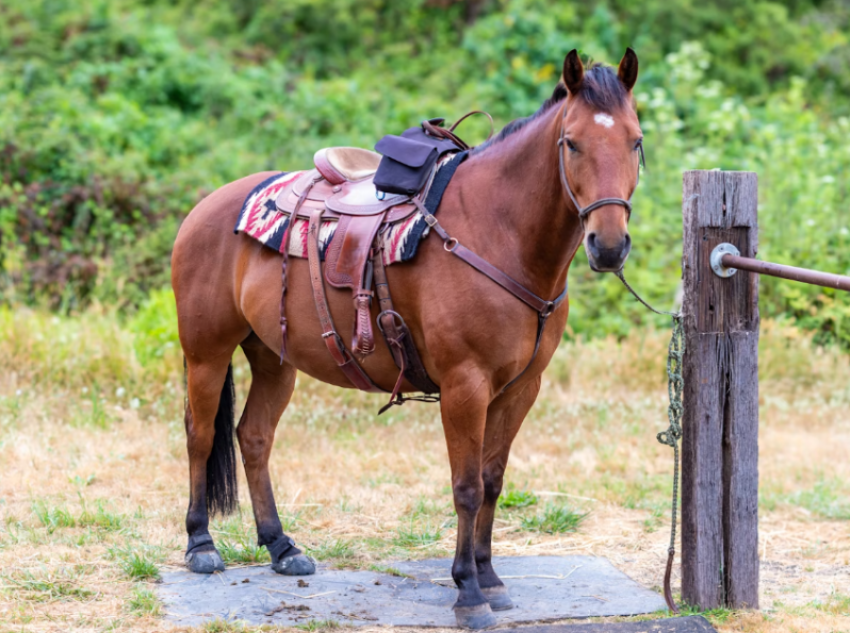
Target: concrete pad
(688, 624)
(542, 587)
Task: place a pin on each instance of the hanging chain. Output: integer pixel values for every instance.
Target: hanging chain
(670, 437)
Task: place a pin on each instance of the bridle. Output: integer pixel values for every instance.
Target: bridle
(583, 212)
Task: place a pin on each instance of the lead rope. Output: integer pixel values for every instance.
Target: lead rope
(670, 437)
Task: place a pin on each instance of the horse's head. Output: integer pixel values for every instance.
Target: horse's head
(600, 152)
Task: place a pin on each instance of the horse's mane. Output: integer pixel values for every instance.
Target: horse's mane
(601, 89)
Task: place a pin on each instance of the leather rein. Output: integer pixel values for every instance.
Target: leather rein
(543, 307)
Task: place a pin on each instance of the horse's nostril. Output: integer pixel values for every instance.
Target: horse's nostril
(591, 241)
(627, 242)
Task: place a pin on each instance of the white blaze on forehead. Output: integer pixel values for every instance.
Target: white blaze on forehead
(604, 120)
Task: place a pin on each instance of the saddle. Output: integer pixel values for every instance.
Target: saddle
(340, 188)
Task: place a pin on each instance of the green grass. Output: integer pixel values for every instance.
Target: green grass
(391, 571)
(837, 604)
(101, 518)
(236, 541)
(414, 534)
(554, 520)
(240, 552)
(336, 550)
(512, 498)
(319, 625)
(143, 601)
(60, 517)
(829, 499)
(223, 626)
(47, 589)
(138, 562)
(53, 518)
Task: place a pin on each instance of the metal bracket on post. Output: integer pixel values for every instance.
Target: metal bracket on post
(716, 259)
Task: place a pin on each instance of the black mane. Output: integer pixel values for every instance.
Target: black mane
(601, 89)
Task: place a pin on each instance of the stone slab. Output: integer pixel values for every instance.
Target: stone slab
(542, 587)
(688, 624)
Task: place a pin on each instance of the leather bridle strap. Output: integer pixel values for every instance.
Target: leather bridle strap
(583, 212)
(344, 358)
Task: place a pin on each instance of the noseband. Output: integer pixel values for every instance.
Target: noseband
(583, 212)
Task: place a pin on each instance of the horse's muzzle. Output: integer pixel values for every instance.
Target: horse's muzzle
(605, 259)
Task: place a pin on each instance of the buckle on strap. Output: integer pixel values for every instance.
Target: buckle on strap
(430, 219)
(548, 310)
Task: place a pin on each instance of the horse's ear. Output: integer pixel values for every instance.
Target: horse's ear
(573, 72)
(628, 70)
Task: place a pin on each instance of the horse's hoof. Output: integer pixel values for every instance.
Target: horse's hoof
(498, 597)
(478, 617)
(204, 562)
(298, 565)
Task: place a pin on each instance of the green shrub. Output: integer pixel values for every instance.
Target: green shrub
(116, 117)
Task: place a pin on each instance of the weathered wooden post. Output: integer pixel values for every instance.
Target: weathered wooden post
(720, 564)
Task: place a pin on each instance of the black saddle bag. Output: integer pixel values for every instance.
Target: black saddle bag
(408, 160)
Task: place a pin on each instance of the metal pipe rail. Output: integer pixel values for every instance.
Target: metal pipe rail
(726, 260)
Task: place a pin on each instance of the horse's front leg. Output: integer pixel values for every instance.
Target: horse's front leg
(464, 411)
(504, 418)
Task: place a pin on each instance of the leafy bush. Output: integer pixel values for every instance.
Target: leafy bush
(117, 116)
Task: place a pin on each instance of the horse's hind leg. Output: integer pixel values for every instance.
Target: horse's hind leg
(504, 418)
(271, 388)
(212, 468)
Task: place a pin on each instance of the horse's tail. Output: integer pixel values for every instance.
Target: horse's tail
(222, 492)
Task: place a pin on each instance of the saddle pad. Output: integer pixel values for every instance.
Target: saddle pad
(259, 219)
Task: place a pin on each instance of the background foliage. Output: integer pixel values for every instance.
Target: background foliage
(117, 116)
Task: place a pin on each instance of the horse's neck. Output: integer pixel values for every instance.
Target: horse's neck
(512, 192)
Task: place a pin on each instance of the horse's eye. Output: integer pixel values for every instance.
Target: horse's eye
(571, 146)
(638, 143)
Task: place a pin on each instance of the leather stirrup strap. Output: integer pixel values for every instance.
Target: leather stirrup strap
(293, 218)
(345, 359)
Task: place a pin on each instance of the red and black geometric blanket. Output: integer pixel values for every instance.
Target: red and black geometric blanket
(260, 219)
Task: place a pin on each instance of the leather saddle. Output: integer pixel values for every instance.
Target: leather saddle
(340, 188)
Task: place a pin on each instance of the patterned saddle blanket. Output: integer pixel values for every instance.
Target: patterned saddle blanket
(259, 218)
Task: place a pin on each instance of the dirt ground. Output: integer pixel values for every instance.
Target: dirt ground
(94, 477)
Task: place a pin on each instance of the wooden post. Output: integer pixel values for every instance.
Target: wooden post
(720, 564)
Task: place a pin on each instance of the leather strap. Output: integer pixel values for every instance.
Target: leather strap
(198, 541)
(285, 246)
(544, 308)
(283, 545)
(396, 333)
(583, 212)
(343, 358)
(432, 127)
(480, 264)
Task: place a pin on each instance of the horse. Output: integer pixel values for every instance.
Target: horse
(524, 201)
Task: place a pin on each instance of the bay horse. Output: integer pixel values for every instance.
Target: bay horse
(523, 201)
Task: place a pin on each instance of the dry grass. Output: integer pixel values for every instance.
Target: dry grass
(94, 475)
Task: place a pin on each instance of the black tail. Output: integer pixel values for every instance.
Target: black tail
(222, 494)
